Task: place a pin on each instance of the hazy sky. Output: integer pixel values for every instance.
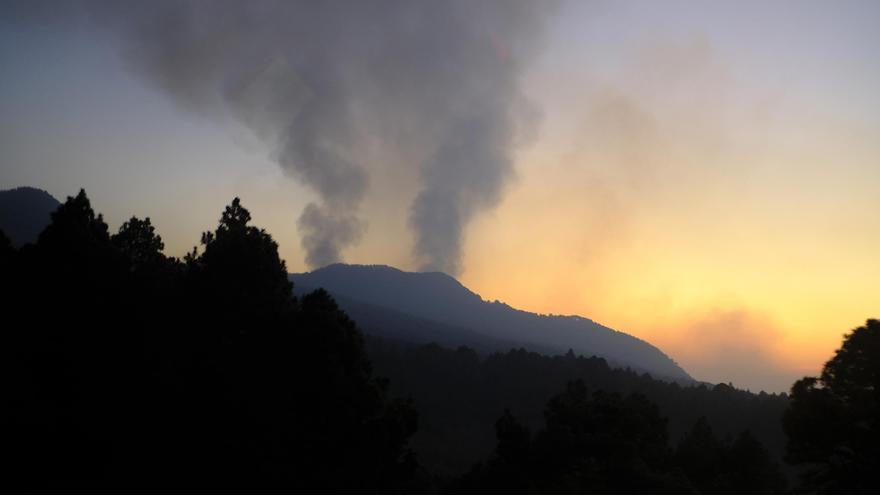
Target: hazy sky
(703, 175)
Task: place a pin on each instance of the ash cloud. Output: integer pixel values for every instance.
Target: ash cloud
(317, 80)
(324, 233)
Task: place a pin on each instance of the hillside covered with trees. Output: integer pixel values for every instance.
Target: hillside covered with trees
(459, 394)
(378, 296)
(126, 368)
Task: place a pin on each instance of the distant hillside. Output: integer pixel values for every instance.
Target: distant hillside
(24, 212)
(387, 323)
(382, 298)
(460, 394)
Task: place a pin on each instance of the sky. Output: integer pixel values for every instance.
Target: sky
(702, 175)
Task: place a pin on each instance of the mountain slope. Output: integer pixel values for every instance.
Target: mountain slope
(440, 299)
(24, 213)
(396, 326)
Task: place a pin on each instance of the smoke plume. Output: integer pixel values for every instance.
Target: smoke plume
(316, 80)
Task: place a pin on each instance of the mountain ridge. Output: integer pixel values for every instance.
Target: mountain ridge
(24, 212)
(438, 297)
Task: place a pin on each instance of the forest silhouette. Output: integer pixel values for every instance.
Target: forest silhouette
(130, 369)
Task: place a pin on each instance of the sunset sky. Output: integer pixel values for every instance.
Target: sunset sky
(702, 175)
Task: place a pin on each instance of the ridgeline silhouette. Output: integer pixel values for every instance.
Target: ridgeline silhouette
(24, 212)
(379, 295)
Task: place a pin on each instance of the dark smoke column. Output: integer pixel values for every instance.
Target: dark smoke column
(316, 80)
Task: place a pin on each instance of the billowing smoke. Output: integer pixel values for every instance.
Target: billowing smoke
(318, 79)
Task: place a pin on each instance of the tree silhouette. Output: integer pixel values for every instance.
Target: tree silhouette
(717, 467)
(137, 239)
(287, 382)
(833, 420)
(592, 443)
(608, 443)
(513, 439)
(76, 229)
(239, 267)
(603, 442)
(702, 457)
(72, 365)
(134, 369)
(7, 252)
(750, 468)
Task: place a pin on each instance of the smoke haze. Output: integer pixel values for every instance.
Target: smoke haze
(316, 81)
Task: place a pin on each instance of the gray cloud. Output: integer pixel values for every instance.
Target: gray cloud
(318, 80)
(323, 233)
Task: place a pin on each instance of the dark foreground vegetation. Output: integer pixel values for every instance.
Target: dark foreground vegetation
(130, 368)
(125, 368)
(459, 393)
